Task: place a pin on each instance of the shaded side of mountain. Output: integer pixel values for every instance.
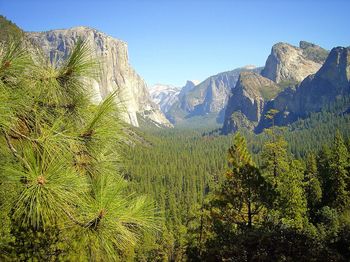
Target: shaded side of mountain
(329, 84)
(246, 104)
(208, 98)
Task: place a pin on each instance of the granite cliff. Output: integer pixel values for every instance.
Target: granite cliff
(290, 64)
(246, 104)
(116, 72)
(327, 85)
(206, 98)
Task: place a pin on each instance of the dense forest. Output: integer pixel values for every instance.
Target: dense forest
(186, 172)
(78, 184)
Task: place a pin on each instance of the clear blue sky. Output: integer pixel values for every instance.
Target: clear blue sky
(172, 41)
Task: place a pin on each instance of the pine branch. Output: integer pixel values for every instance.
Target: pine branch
(73, 218)
(14, 151)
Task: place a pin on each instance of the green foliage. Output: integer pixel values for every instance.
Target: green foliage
(9, 30)
(60, 163)
(313, 188)
(177, 168)
(244, 191)
(286, 230)
(339, 172)
(269, 92)
(182, 168)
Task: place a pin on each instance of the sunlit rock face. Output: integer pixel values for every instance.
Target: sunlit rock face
(291, 64)
(327, 85)
(115, 70)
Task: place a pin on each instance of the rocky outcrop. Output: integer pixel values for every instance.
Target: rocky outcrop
(316, 91)
(246, 104)
(116, 73)
(187, 88)
(330, 82)
(164, 96)
(290, 64)
(313, 52)
(207, 97)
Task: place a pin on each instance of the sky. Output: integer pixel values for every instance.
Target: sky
(171, 41)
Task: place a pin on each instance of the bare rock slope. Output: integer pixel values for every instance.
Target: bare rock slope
(116, 72)
(246, 104)
(291, 64)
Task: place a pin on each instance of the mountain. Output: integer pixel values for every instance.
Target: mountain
(206, 99)
(164, 96)
(296, 81)
(116, 73)
(188, 87)
(290, 64)
(330, 84)
(247, 101)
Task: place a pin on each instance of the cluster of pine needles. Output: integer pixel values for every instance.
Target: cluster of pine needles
(62, 192)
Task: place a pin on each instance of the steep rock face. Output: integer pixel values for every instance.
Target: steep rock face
(330, 83)
(188, 87)
(164, 96)
(245, 106)
(207, 97)
(212, 94)
(290, 64)
(116, 73)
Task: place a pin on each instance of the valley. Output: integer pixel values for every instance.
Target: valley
(250, 164)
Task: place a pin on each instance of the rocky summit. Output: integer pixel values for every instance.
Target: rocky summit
(290, 64)
(329, 84)
(116, 72)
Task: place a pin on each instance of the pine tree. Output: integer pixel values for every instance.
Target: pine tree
(323, 167)
(313, 188)
(339, 174)
(275, 160)
(286, 177)
(244, 192)
(60, 157)
(291, 202)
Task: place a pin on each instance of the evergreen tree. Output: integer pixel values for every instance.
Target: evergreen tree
(291, 203)
(323, 168)
(275, 161)
(239, 203)
(313, 188)
(60, 162)
(286, 176)
(339, 174)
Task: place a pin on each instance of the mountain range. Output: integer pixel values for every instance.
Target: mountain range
(295, 81)
(204, 99)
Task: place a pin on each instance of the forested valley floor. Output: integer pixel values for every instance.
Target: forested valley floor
(200, 188)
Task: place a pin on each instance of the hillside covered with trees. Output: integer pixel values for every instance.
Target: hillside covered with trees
(79, 184)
